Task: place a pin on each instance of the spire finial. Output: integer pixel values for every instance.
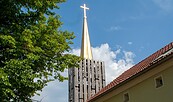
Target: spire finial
(84, 8)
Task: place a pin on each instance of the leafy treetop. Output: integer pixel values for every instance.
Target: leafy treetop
(32, 48)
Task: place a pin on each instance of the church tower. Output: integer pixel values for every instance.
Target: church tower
(89, 78)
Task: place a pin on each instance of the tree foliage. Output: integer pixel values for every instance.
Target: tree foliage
(32, 48)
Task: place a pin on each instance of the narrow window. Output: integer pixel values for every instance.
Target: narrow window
(159, 81)
(126, 97)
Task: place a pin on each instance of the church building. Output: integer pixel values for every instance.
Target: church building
(89, 78)
(151, 80)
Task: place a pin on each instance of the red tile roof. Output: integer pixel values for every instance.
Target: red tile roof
(138, 68)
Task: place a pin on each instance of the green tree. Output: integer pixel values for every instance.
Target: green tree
(32, 48)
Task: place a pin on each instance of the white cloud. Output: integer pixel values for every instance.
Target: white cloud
(114, 66)
(130, 43)
(114, 28)
(165, 5)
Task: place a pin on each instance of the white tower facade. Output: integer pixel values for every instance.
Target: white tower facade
(89, 78)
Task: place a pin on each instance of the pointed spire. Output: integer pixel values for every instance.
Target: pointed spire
(85, 46)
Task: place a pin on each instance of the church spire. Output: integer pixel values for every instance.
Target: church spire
(85, 46)
(83, 86)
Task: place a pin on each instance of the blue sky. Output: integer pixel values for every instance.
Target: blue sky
(145, 24)
(123, 31)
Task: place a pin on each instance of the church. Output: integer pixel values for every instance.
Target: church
(89, 78)
(151, 80)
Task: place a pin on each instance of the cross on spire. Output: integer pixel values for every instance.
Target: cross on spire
(84, 8)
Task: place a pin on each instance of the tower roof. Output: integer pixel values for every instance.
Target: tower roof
(86, 51)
